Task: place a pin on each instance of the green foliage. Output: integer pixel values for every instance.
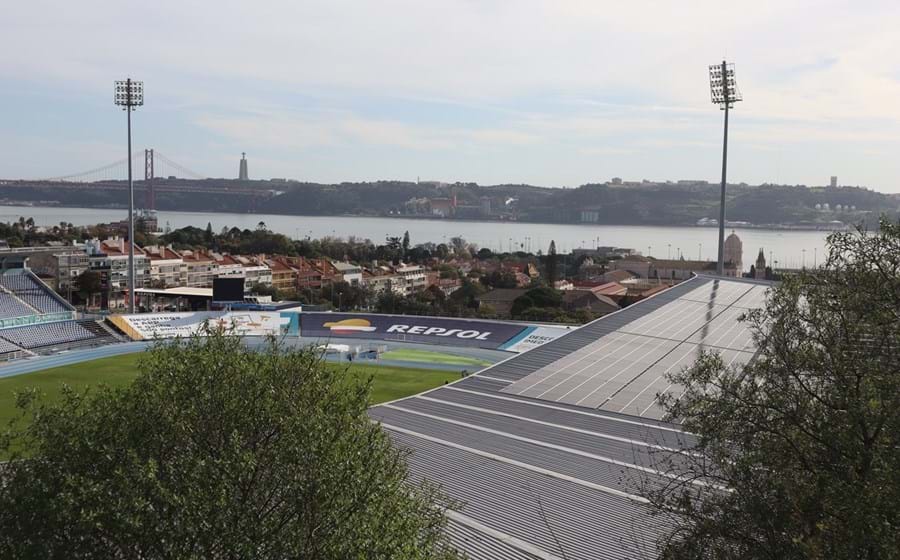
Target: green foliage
(215, 451)
(234, 241)
(806, 437)
(541, 297)
(88, 283)
(499, 279)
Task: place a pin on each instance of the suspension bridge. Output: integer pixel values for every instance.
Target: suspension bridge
(161, 175)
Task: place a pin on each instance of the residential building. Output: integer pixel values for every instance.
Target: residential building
(254, 271)
(589, 300)
(351, 273)
(412, 278)
(617, 276)
(284, 275)
(379, 281)
(636, 265)
(200, 269)
(501, 299)
(110, 259)
(69, 266)
(167, 269)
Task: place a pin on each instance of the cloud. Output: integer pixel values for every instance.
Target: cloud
(530, 89)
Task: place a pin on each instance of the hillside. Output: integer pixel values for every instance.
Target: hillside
(682, 203)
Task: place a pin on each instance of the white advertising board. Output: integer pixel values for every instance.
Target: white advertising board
(532, 337)
(170, 325)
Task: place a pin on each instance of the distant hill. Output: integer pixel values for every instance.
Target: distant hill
(682, 203)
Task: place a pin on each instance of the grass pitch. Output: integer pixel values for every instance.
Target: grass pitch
(388, 383)
(427, 356)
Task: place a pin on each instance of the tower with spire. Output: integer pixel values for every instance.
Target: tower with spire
(761, 266)
(243, 175)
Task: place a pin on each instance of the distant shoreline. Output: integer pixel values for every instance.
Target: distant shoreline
(743, 225)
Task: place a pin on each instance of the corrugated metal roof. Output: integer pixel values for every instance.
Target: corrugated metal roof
(549, 480)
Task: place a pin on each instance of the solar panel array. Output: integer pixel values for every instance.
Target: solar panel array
(624, 370)
(551, 479)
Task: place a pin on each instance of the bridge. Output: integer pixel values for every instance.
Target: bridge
(161, 175)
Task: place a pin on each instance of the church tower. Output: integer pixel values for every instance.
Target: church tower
(761, 266)
(734, 251)
(242, 172)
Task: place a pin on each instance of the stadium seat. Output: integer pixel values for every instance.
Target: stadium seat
(46, 334)
(27, 288)
(10, 307)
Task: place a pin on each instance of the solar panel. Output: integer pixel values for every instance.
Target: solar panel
(623, 370)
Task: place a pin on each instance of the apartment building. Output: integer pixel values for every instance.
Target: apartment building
(167, 269)
(110, 259)
(200, 269)
(412, 278)
(284, 276)
(350, 273)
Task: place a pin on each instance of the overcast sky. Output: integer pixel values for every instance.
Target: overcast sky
(555, 93)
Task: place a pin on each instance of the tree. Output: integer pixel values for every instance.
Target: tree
(88, 283)
(214, 451)
(208, 235)
(805, 438)
(405, 243)
(266, 290)
(552, 270)
(500, 279)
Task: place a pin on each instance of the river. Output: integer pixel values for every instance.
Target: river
(790, 248)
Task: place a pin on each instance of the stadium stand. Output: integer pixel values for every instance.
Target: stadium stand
(35, 293)
(35, 319)
(47, 334)
(11, 307)
(97, 329)
(6, 347)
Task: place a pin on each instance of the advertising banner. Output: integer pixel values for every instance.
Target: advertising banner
(428, 330)
(532, 337)
(169, 325)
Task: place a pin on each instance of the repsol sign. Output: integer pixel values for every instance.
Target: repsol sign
(430, 330)
(439, 331)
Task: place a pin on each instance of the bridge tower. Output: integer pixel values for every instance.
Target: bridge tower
(149, 190)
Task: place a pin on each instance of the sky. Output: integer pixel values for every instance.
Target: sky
(554, 93)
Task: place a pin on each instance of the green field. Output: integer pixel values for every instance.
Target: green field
(389, 383)
(426, 356)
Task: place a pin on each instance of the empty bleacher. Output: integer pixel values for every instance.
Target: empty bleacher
(10, 307)
(97, 329)
(25, 286)
(47, 334)
(6, 347)
(26, 299)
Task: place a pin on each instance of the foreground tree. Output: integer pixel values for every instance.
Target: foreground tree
(215, 451)
(807, 437)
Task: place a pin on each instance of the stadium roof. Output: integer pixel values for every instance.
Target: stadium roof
(545, 450)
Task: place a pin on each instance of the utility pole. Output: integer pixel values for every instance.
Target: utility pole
(130, 95)
(724, 92)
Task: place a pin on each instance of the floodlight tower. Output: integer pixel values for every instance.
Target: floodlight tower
(129, 96)
(725, 93)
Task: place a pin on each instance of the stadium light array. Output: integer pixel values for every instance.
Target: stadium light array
(129, 94)
(723, 92)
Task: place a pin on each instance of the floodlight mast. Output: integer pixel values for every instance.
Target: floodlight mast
(724, 92)
(130, 95)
